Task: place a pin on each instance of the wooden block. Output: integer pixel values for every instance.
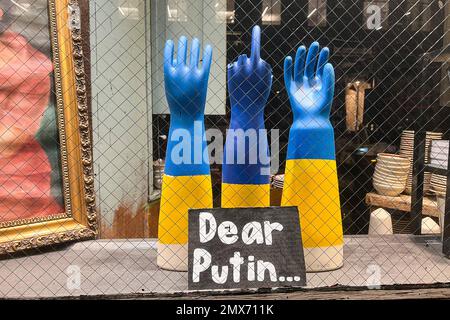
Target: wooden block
(153, 209)
(275, 197)
(402, 203)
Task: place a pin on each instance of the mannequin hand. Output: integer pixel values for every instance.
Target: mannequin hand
(310, 91)
(186, 87)
(311, 180)
(250, 81)
(186, 83)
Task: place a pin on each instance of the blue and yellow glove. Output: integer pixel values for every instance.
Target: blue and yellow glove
(311, 181)
(246, 165)
(187, 179)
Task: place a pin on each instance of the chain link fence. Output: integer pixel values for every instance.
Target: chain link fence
(381, 181)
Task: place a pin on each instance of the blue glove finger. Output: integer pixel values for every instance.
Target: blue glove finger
(168, 56)
(230, 69)
(328, 84)
(323, 60)
(256, 45)
(182, 51)
(195, 53)
(311, 61)
(288, 72)
(242, 60)
(207, 59)
(299, 69)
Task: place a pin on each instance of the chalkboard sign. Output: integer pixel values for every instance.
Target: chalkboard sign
(245, 248)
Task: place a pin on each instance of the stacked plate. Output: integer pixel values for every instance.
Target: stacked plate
(278, 181)
(407, 149)
(158, 173)
(438, 184)
(439, 158)
(391, 173)
(439, 153)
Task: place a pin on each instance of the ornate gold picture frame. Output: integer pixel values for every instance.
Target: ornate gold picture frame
(65, 171)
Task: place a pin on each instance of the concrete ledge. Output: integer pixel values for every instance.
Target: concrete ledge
(127, 268)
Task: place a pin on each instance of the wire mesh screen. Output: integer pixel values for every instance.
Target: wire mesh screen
(339, 108)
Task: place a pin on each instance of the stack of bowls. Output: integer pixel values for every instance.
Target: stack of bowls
(278, 181)
(391, 173)
(407, 149)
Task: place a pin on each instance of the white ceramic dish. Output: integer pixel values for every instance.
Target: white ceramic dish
(388, 190)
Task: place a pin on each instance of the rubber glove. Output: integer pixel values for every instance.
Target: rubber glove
(187, 180)
(246, 165)
(311, 176)
(186, 86)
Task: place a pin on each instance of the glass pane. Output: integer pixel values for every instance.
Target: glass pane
(317, 13)
(271, 13)
(176, 11)
(420, 14)
(225, 11)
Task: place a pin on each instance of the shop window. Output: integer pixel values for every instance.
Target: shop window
(202, 19)
(317, 13)
(271, 14)
(376, 14)
(420, 15)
